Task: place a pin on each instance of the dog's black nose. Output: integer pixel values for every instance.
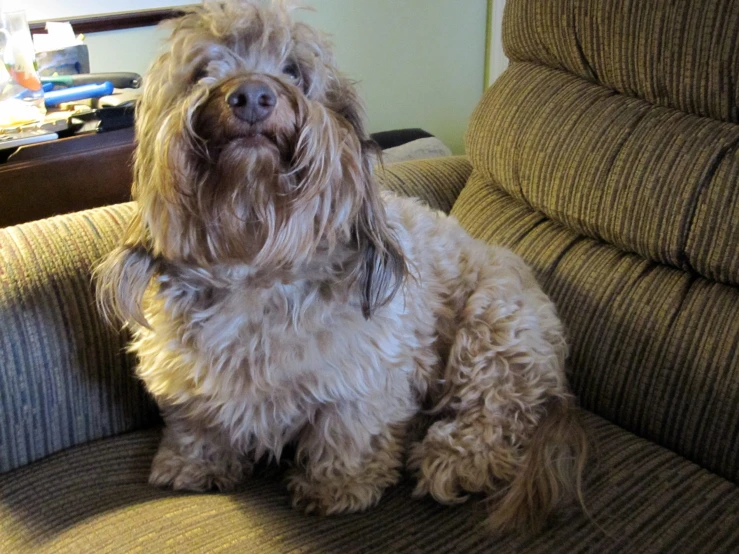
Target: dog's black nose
(252, 101)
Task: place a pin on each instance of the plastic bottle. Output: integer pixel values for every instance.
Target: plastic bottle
(21, 95)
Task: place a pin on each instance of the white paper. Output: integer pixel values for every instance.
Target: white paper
(58, 36)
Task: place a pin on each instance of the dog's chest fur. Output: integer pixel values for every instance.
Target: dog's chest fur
(261, 362)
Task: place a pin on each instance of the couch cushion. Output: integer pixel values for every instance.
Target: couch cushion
(648, 179)
(437, 181)
(677, 53)
(94, 498)
(619, 120)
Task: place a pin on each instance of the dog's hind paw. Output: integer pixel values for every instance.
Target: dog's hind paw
(449, 464)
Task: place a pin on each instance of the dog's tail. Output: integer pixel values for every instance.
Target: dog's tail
(551, 474)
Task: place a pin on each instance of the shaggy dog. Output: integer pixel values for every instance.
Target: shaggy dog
(277, 297)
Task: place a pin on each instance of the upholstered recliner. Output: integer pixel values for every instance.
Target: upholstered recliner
(607, 155)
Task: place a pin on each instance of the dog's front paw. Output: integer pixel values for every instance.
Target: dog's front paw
(173, 470)
(332, 497)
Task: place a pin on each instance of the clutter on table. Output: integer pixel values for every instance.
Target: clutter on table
(47, 88)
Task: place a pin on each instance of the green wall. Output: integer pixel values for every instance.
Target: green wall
(419, 63)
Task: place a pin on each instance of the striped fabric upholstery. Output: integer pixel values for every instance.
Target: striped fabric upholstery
(438, 181)
(607, 155)
(643, 498)
(65, 378)
(675, 53)
(648, 179)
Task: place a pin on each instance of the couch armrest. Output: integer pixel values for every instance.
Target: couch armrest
(65, 377)
(437, 181)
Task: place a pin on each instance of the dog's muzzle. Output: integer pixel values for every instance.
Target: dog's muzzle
(252, 101)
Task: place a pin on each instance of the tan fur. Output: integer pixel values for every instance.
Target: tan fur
(277, 297)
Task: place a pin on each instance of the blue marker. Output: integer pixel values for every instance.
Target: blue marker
(56, 97)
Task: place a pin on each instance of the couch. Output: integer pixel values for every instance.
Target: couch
(607, 155)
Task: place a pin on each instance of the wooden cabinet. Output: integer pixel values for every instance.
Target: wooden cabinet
(66, 175)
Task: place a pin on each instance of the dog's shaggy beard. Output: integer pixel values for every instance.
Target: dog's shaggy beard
(278, 198)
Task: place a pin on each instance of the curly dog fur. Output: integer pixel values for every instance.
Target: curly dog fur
(277, 297)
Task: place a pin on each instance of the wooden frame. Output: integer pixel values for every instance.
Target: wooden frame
(114, 21)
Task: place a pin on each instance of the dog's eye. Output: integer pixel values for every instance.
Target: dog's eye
(198, 74)
(292, 70)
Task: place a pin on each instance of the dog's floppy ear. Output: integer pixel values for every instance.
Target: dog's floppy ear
(123, 277)
(350, 106)
(382, 268)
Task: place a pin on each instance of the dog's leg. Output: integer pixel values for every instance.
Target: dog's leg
(506, 428)
(343, 466)
(195, 458)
